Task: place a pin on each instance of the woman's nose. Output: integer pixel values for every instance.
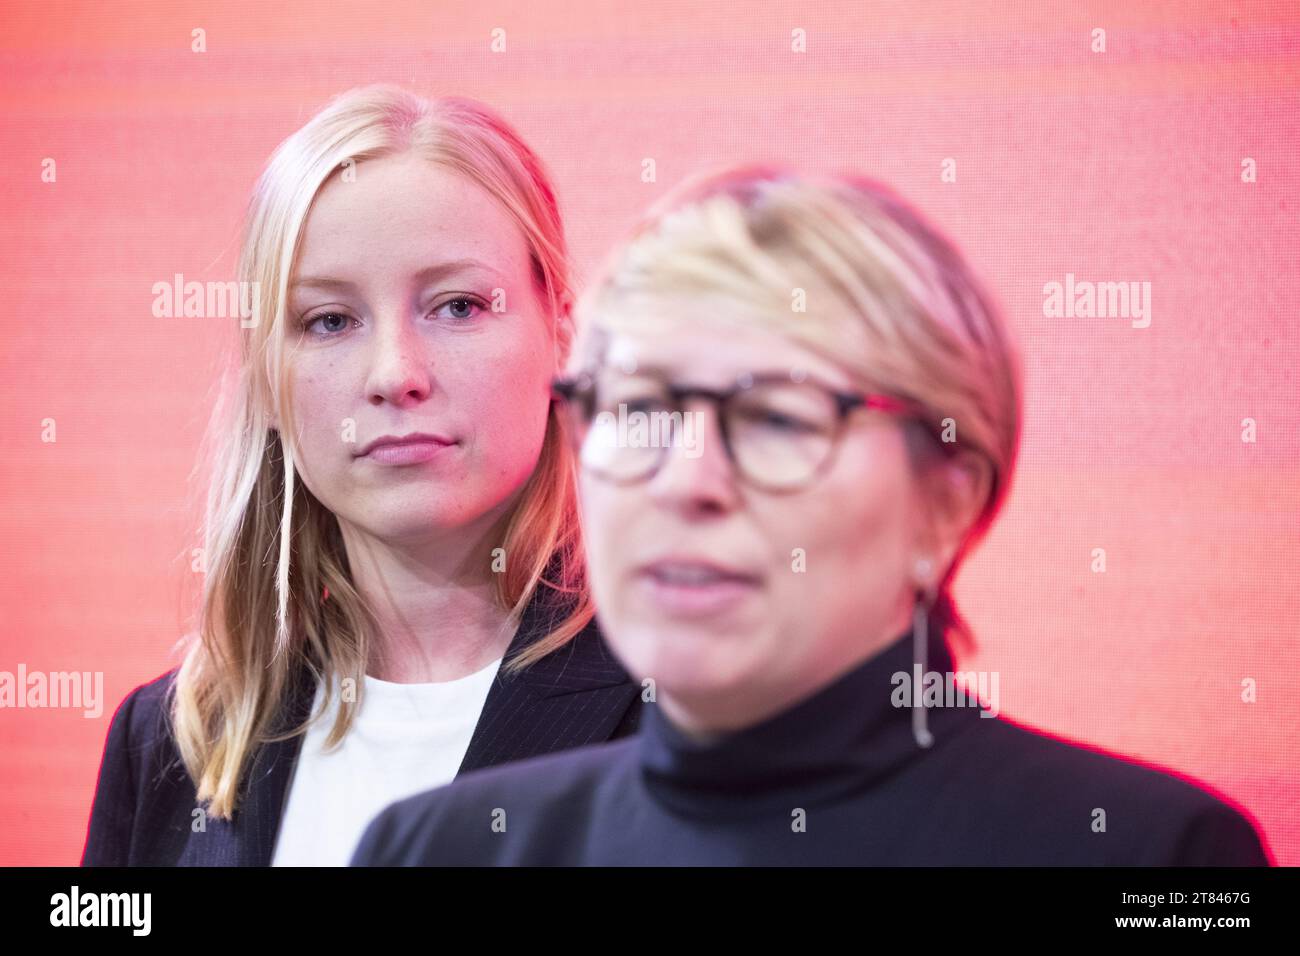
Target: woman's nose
(696, 474)
(399, 370)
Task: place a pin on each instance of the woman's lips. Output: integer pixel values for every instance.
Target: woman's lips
(407, 452)
(695, 589)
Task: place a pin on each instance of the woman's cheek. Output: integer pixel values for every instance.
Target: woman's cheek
(598, 524)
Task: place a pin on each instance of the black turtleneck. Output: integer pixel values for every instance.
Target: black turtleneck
(838, 778)
(829, 746)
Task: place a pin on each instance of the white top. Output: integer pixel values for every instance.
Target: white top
(404, 739)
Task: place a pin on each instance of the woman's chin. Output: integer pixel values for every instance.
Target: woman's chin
(688, 665)
(410, 526)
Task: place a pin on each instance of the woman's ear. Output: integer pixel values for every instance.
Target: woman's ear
(562, 332)
(955, 491)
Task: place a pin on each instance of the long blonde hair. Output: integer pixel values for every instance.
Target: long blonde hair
(271, 557)
(886, 296)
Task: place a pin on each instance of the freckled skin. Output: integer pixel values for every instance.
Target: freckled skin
(405, 355)
(857, 525)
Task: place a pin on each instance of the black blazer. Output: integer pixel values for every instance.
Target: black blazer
(144, 811)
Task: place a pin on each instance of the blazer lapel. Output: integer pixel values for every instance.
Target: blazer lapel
(574, 696)
(255, 833)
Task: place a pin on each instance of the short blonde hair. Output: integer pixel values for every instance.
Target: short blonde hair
(884, 295)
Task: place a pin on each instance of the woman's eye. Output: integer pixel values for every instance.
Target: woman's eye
(462, 307)
(778, 421)
(645, 406)
(330, 322)
(631, 403)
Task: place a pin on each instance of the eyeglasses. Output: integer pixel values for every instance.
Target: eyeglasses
(779, 431)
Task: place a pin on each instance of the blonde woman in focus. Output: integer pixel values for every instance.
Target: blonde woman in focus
(415, 606)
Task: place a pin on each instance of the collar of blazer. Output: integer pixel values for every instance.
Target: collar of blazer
(574, 696)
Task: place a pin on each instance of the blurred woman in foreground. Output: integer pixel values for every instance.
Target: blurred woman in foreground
(795, 413)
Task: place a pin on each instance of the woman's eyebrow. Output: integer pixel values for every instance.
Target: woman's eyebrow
(441, 270)
(445, 269)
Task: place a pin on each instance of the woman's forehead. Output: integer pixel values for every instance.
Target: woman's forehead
(405, 213)
(710, 351)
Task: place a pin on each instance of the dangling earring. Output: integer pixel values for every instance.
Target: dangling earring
(920, 648)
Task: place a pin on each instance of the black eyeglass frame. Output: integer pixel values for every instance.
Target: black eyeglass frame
(577, 392)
